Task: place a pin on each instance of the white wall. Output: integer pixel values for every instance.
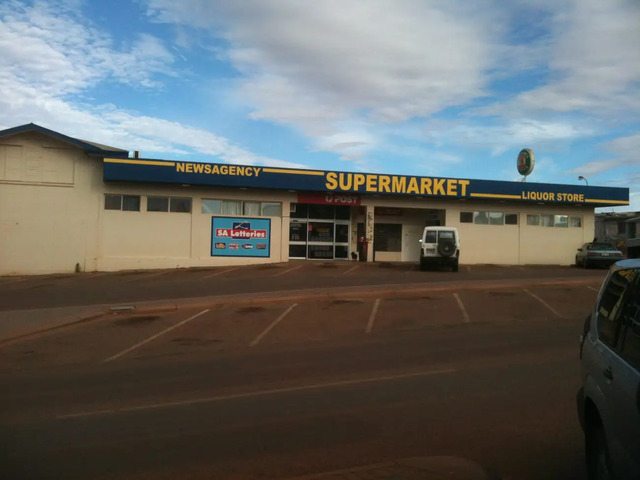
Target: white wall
(52, 217)
(48, 206)
(132, 240)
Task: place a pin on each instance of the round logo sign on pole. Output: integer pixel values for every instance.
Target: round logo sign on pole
(526, 161)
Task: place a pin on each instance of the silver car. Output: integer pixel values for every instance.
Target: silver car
(597, 254)
(609, 398)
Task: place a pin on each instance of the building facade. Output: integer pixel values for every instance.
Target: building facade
(72, 205)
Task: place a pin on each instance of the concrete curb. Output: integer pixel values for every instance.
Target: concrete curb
(19, 334)
(425, 468)
(95, 312)
(368, 291)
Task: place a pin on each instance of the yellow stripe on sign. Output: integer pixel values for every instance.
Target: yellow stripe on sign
(492, 195)
(617, 202)
(293, 172)
(140, 162)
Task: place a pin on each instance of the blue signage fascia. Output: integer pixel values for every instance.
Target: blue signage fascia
(223, 175)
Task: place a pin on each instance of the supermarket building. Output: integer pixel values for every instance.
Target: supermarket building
(73, 205)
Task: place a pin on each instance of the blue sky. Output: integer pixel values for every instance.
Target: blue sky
(451, 89)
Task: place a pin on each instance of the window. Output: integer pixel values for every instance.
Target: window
(533, 220)
(180, 205)
(113, 202)
(631, 345)
(297, 231)
(560, 221)
(157, 204)
(575, 222)
(251, 209)
(343, 212)
(211, 206)
(231, 207)
(127, 203)
(622, 228)
(466, 217)
(271, 209)
(616, 303)
(387, 237)
(299, 210)
(297, 251)
(489, 218)
(321, 232)
(496, 218)
(342, 233)
(480, 218)
(321, 211)
(431, 237)
(168, 204)
(546, 220)
(239, 207)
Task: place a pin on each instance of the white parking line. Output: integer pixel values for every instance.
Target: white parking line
(261, 393)
(97, 275)
(272, 326)
(144, 277)
(594, 289)
(287, 271)
(153, 337)
(351, 269)
(372, 317)
(465, 315)
(222, 272)
(555, 312)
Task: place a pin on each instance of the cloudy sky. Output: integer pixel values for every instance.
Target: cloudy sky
(450, 88)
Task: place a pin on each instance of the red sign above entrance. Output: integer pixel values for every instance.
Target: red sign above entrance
(329, 198)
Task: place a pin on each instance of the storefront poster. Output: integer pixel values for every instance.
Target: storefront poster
(240, 237)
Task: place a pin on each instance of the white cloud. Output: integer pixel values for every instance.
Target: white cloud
(501, 138)
(322, 66)
(51, 58)
(47, 47)
(625, 151)
(594, 60)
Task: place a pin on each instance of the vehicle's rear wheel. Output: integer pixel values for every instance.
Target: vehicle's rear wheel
(454, 267)
(596, 451)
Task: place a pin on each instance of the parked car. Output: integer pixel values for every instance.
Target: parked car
(609, 396)
(439, 246)
(597, 253)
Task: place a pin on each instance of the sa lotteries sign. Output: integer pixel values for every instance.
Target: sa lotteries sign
(240, 237)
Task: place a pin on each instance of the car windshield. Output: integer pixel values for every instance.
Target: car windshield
(600, 246)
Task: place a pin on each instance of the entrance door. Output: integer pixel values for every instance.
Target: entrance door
(319, 232)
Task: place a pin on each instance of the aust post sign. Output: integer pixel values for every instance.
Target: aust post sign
(240, 237)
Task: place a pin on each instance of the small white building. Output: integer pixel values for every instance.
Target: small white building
(68, 204)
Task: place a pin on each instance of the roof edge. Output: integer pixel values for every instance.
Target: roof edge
(88, 147)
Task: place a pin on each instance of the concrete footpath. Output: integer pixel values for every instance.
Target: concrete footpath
(420, 468)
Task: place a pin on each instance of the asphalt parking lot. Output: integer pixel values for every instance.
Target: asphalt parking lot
(197, 329)
(103, 288)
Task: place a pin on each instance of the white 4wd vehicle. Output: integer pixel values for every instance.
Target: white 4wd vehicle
(439, 246)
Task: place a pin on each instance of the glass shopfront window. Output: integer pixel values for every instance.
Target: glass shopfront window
(319, 231)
